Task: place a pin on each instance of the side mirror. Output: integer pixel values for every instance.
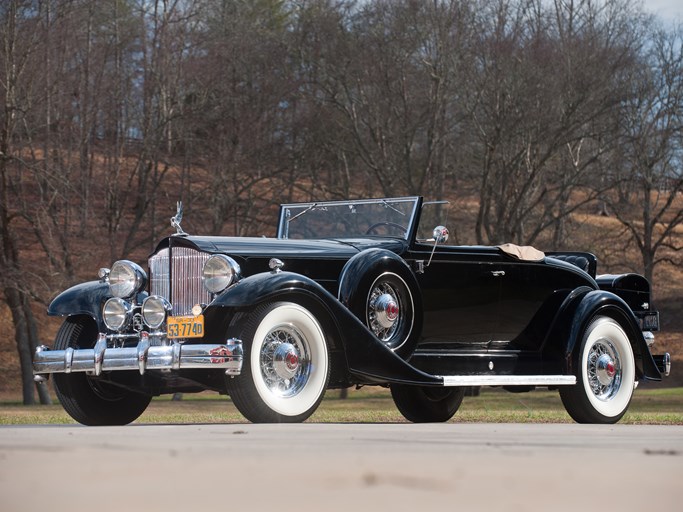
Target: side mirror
(440, 234)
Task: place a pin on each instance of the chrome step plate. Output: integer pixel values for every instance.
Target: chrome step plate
(508, 380)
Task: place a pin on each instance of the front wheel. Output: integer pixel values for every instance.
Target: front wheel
(287, 365)
(425, 404)
(605, 375)
(87, 399)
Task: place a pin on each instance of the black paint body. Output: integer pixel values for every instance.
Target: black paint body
(474, 305)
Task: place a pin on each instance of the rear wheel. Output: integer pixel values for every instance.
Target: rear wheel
(425, 404)
(287, 365)
(605, 375)
(86, 399)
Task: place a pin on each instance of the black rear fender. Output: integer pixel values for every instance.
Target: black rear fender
(579, 310)
(634, 289)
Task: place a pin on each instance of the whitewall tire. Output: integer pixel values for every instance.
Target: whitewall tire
(606, 374)
(287, 365)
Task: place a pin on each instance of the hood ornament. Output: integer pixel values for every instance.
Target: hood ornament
(177, 219)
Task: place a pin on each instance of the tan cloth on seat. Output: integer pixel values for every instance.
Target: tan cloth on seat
(525, 253)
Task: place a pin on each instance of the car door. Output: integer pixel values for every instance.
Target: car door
(531, 293)
(524, 287)
(461, 294)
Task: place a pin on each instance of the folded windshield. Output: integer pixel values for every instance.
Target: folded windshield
(348, 219)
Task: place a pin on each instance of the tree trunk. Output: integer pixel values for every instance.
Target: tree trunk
(21, 335)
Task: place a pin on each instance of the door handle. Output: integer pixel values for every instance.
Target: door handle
(498, 273)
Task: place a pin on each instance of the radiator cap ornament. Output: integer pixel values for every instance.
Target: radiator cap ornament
(177, 219)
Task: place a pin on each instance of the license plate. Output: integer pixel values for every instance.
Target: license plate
(649, 321)
(185, 326)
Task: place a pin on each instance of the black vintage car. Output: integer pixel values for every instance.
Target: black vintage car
(364, 292)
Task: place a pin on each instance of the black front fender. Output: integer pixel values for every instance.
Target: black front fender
(262, 287)
(367, 357)
(82, 299)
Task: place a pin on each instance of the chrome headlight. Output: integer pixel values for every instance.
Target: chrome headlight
(126, 279)
(219, 272)
(117, 313)
(154, 311)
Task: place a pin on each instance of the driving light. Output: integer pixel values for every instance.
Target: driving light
(126, 279)
(154, 311)
(116, 313)
(219, 272)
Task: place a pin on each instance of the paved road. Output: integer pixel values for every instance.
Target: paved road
(335, 467)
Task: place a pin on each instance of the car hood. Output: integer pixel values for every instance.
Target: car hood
(274, 247)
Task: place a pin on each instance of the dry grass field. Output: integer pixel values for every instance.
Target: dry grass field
(374, 405)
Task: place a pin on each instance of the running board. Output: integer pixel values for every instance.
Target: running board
(508, 380)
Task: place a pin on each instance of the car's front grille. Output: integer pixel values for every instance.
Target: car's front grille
(180, 282)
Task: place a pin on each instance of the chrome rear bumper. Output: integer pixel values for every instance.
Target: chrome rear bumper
(142, 357)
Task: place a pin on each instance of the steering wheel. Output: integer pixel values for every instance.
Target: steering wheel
(393, 225)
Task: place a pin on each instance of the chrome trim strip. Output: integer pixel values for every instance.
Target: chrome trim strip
(508, 380)
(141, 358)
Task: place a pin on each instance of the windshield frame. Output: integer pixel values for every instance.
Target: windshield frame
(291, 211)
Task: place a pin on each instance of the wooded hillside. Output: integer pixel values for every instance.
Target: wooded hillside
(552, 123)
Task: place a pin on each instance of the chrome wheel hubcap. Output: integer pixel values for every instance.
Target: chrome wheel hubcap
(285, 361)
(384, 311)
(604, 370)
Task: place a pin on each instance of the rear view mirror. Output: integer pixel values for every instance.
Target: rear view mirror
(440, 234)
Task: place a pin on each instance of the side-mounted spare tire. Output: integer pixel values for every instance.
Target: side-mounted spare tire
(381, 290)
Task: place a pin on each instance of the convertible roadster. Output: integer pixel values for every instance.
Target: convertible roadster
(363, 292)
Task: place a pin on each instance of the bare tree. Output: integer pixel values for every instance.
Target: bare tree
(17, 49)
(544, 94)
(646, 168)
(240, 97)
(390, 77)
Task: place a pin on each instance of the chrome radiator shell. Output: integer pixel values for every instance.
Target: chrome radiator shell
(176, 275)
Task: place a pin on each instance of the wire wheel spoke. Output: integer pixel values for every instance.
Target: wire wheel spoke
(285, 361)
(380, 295)
(604, 370)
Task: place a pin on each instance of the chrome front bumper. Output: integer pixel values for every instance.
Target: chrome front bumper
(142, 357)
